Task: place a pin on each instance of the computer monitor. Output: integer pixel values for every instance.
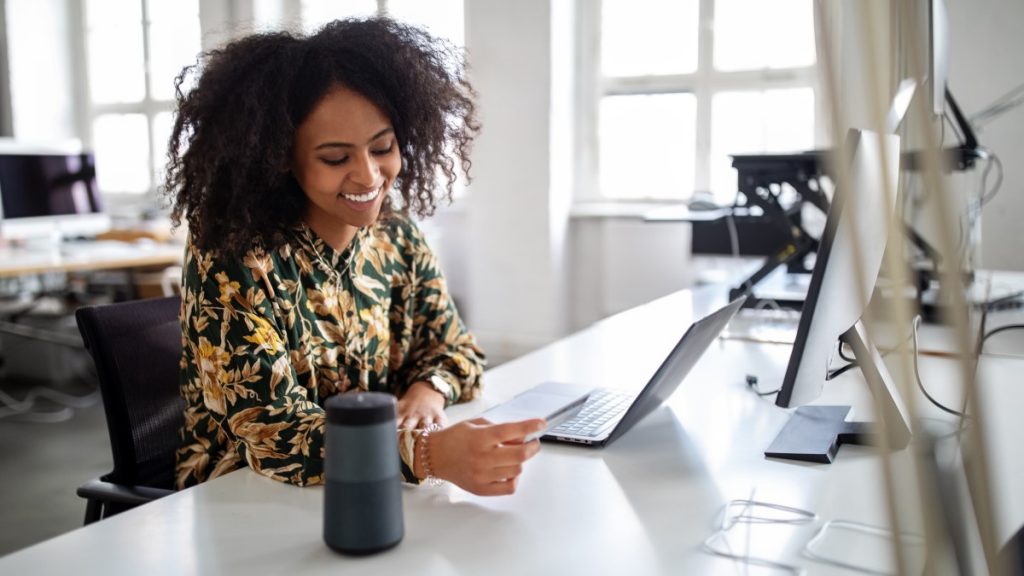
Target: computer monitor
(49, 195)
(859, 221)
(941, 102)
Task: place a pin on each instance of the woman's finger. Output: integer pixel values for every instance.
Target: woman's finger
(513, 454)
(502, 473)
(517, 431)
(500, 488)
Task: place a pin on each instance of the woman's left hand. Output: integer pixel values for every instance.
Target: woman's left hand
(421, 406)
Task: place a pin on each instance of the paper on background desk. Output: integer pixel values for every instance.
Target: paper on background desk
(772, 326)
(780, 327)
(768, 326)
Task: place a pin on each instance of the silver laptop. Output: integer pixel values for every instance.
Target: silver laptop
(607, 413)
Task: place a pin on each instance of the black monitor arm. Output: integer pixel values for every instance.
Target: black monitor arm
(959, 158)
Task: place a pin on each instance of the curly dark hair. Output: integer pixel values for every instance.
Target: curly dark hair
(230, 152)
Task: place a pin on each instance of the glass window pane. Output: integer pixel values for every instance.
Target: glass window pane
(756, 34)
(648, 37)
(647, 146)
(316, 13)
(442, 18)
(753, 123)
(267, 14)
(163, 123)
(173, 43)
(121, 144)
(116, 62)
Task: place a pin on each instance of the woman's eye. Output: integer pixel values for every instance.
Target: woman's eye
(384, 151)
(334, 161)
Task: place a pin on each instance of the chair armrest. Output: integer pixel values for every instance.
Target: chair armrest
(131, 495)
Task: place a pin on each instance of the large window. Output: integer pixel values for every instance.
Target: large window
(133, 49)
(682, 84)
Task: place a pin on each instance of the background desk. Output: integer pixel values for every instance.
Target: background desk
(643, 505)
(84, 256)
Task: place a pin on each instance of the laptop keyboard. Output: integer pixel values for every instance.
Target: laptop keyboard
(597, 414)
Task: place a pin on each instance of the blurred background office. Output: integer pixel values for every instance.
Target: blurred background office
(594, 113)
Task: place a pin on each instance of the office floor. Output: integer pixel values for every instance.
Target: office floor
(42, 464)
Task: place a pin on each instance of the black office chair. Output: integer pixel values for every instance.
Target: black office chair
(136, 347)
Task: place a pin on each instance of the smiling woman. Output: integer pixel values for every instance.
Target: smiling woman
(256, 101)
(296, 162)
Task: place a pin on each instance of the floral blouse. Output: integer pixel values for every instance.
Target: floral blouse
(268, 337)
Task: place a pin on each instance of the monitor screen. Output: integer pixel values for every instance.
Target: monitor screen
(42, 193)
(856, 232)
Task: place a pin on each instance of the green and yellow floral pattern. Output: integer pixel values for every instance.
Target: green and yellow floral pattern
(269, 337)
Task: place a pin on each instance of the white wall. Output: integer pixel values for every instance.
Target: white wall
(532, 272)
(517, 202)
(986, 48)
(42, 85)
(619, 263)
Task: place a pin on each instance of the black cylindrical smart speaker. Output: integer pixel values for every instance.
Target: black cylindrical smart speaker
(363, 479)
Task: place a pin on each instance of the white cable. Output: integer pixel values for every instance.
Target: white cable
(26, 409)
(809, 551)
(745, 516)
(734, 242)
(54, 417)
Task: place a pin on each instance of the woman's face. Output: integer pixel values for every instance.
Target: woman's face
(345, 159)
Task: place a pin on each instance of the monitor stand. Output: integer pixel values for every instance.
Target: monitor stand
(814, 433)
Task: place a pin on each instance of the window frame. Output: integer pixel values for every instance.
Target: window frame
(89, 110)
(703, 83)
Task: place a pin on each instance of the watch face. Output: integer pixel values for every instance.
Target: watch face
(441, 386)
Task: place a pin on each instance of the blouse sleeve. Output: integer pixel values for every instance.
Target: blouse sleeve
(238, 358)
(442, 346)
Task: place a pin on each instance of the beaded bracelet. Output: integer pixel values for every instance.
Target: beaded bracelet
(424, 453)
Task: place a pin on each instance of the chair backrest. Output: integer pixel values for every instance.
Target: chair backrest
(136, 347)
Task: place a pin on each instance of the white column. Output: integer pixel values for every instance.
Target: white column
(517, 209)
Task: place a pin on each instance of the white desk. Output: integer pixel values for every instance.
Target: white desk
(79, 256)
(87, 255)
(643, 505)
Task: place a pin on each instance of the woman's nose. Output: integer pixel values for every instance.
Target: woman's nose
(366, 172)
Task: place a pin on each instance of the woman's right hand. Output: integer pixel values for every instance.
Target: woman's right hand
(483, 458)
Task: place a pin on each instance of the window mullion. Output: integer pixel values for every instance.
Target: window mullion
(705, 64)
(148, 102)
(84, 108)
(666, 84)
(589, 94)
(767, 77)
